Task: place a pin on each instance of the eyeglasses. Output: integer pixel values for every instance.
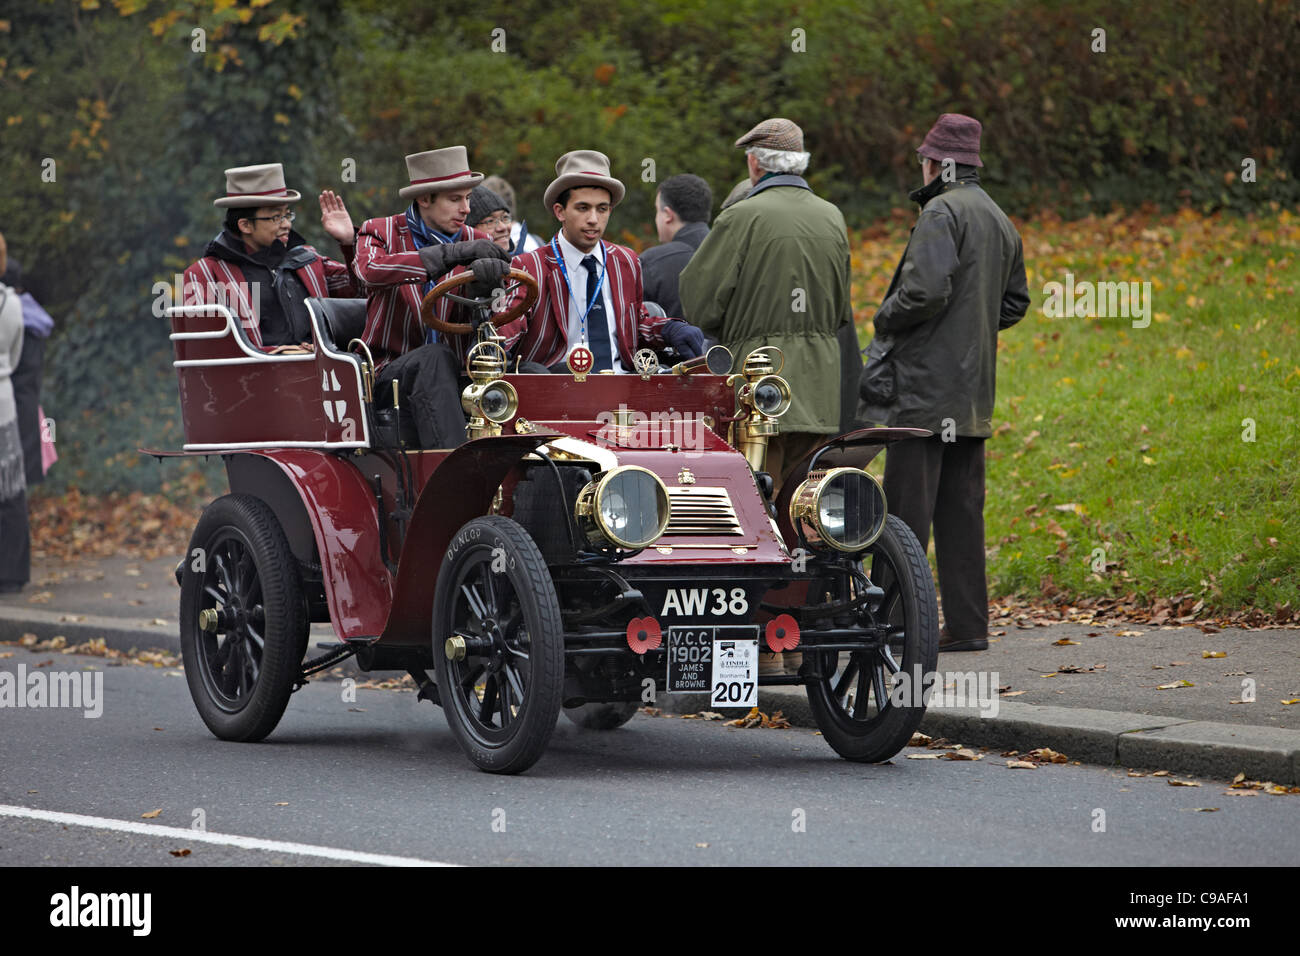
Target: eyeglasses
(283, 217)
(504, 219)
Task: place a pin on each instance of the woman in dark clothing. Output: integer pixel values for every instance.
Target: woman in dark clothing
(37, 326)
(15, 540)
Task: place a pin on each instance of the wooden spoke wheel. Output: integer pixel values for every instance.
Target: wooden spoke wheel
(853, 700)
(243, 618)
(498, 645)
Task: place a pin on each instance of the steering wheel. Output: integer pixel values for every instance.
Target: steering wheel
(514, 279)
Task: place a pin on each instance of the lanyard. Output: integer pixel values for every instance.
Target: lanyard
(591, 300)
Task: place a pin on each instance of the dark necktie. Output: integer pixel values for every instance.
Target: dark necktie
(597, 324)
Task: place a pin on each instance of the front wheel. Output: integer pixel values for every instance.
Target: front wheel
(853, 701)
(498, 645)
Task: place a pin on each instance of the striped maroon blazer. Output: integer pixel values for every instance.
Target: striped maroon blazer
(213, 281)
(389, 265)
(542, 334)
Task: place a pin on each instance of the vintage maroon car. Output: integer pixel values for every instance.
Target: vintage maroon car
(597, 540)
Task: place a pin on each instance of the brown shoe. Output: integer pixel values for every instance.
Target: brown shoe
(948, 643)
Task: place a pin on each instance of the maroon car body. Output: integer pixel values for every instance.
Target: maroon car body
(333, 517)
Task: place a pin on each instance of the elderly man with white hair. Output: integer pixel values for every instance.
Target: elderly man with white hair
(774, 270)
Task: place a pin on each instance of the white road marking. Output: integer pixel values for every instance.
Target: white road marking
(222, 839)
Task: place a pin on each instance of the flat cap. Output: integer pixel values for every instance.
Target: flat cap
(775, 133)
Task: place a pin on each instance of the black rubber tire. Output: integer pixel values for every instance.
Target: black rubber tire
(863, 732)
(603, 716)
(241, 690)
(523, 615)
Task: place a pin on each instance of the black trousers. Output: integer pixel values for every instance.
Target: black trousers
(428, 384)
(15, 541)
(537, 368)
(930, 481)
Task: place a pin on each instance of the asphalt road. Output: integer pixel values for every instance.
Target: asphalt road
(382, 775)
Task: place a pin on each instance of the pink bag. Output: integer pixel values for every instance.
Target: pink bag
(48, 455)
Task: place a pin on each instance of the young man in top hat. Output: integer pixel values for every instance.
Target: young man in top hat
(400, 258)
(589, 290)
(261, 269)
(960, 282)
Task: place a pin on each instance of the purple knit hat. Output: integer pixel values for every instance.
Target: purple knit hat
(954, 136)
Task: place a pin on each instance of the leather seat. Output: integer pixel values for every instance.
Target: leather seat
(342, 320)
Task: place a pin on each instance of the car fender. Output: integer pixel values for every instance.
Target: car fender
(322, 497)
(461, 488)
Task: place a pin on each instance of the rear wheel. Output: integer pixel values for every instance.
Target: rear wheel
(498, 645)
(243, 618)
(605, 716)
(851, 701)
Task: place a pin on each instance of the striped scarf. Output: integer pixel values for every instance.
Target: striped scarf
(423, 236)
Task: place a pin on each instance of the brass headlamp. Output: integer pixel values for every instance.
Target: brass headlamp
(489, 401)
(839, 508)
(764, 398)
(627, 507)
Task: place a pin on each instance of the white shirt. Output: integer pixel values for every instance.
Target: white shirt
(579, 294)
(531, 243)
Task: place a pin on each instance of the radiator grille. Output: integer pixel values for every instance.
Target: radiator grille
(701, 511)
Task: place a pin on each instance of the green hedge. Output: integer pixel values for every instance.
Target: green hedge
(141, 128)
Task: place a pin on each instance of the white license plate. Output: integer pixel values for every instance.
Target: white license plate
(718, 660)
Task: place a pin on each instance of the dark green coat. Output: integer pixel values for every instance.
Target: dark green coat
(774, 270)
(960, 281)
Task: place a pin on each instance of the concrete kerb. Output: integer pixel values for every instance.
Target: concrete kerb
(121, 634)
(1214, 749)
(1107, 738)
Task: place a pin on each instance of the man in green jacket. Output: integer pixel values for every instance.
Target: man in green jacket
(961, 280)
(774, 270)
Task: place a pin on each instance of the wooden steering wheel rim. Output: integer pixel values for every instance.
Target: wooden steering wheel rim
(431, 320)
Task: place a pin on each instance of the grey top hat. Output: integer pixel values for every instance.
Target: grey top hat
(437, 170)
(252, 186)
(583, 167)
